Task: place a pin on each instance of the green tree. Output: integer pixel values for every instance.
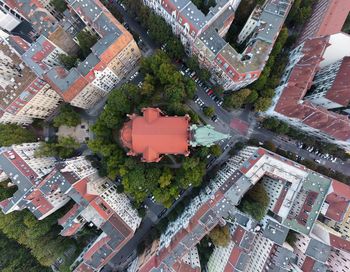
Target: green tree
(236, 99)
(215, 150)
(165, 178)
(252, 97)
(220, 236)
(267, 92)
(64, 148)
(67, 61)
(59, 5)
(67, 116)
(86, 40)
(175, 49)
(253, 209)
(262, 104)
(209, 111)
(259, 194)
(13, 134)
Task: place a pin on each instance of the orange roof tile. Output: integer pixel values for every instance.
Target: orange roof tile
(154, 134)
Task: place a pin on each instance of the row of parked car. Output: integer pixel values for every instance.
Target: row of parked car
(314, 150)
(201, 104)
(187, 71)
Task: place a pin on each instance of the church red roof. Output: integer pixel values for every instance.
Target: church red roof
(154, 134)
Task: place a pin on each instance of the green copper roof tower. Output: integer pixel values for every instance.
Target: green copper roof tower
(205, 135)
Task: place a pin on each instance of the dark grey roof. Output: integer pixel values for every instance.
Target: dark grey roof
(65, 82)
(88, 64)
(211, 38)
(275, 232)
(241, 219)
(113, 233)
(27, 57)
(320, 267)
(318, 250)
(282, 258)
(194, 15)
(21, 181)
(221, 19)
(247, 240)
(242, 261)
(272, 17)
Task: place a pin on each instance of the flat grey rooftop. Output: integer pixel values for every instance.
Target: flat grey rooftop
(318, 251)
(275, 232)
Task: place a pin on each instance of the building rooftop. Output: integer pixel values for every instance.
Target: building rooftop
(318, 250)
(329, 19)
(275, 232)
(303, 215)
(339, 92)
(338, 201)
(21, 84)
(152, 133)
(35, 12)
(35, 55)
(290, 100)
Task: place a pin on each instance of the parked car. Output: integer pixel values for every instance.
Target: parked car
(214, 118)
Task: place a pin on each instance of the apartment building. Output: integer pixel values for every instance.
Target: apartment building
(45, 185)
(313, 93)
(34, 191)
(330, 85)
(24, 96)
(112, 57)
(299, 200)
(202, 35)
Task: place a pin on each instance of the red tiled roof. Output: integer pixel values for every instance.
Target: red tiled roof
(308, 264)
(334, 18)
(238, 235)
(153, 134)
(338, 201)
(83, 268)
(339, 243)
(72, 229)
(96, 246)
(339, 92)
(232, 261)
(21, 165)
(40, 202)
(65, 217)
(184, 267)
(290, 102)
(81, 187)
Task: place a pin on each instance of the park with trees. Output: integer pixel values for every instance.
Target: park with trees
(163, 87)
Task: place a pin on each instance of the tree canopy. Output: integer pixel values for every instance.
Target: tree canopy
(67, 61)
(13, 134)
(236, 100)
(59, 5)
(67, 116)
(86, 40)
(64, 148)
(255, 202)
(220, 236)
